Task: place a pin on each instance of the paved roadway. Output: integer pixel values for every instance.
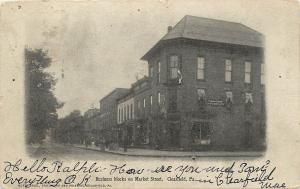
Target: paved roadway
(66, 152)
(56, 151)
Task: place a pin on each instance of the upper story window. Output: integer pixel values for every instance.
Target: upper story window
(151, 100)
(158, 72)
(125, 113)
(173, 67)
(248, 98)
(128, 111)
(158, 97)
(144, 103)
(262, 74)
(229, 100)
(131, 111)
(201, 93)
(228, 70)
(229, 97)
(119, 116)
(201, 98)
(151, 71)
(247, 72)
(122, 114)
(248, 102)
(138, 108)
(200, 67)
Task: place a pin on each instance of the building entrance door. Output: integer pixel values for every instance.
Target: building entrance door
(201, 132)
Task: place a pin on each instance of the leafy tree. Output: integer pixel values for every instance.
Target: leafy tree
(70, 128)
(41, 104)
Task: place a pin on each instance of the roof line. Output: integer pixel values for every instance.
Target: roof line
(112, 92)
(161, 39)
(188, 20)
(216, 19)
(213, 19)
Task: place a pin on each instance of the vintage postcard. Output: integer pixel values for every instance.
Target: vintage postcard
(150, 94)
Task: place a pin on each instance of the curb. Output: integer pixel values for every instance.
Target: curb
(255, 155)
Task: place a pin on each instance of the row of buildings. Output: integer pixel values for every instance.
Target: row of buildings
(204, 91)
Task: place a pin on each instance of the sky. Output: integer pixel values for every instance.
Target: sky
(99, 44)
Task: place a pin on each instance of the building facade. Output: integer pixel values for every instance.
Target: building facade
(92, 126)
(205, 88)
(109, 111)
(204, 91)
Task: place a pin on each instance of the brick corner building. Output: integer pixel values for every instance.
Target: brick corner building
(204, 91)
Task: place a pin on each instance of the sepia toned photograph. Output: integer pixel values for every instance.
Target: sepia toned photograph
(149, 94)
(200, 93)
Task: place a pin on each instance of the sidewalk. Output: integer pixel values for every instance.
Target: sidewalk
(164, 153)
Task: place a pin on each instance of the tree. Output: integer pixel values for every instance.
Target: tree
(41, 104)
(70, 128)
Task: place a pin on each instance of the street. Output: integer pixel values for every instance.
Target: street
(55, 151)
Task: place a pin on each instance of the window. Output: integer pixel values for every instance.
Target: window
(262, 74)
(158, 97)
(174, 63)
(158, 72)
(144, 103)
(125, 113)
(201, 93)
(131, 111)
(128, 112)
(247, 72)
(138, 108)
(248, 102)
(229, 100)
(229, 97)
(122, 116)
(201, 133)
(151, 71)
(200, 67)
(119, 115)
(248, 98)
(228, 70)
(151, 100)
(201, 98)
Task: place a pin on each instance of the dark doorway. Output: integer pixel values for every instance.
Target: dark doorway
(201, 133)
(247, 137)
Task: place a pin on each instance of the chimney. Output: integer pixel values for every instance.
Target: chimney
(169, 28)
